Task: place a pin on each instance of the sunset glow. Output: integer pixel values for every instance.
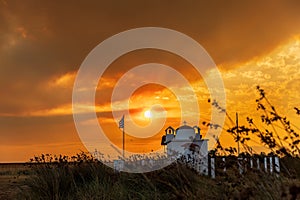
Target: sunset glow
(148, 114)
(43, 48)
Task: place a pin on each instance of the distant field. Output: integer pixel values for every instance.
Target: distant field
(93, 180)
(12, 179)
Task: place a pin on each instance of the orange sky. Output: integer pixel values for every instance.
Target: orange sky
(42, 45)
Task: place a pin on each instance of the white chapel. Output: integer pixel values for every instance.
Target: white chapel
(186, 143)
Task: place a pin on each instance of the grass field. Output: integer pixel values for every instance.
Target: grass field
(12, 180)
(93, 180)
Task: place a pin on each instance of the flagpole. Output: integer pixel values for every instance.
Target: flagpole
(237, 133)
(122, 126)
(124, 141)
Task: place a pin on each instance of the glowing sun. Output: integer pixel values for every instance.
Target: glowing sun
(148, 114)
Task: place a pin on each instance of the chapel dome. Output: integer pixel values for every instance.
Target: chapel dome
(185, 133)
(185, 127)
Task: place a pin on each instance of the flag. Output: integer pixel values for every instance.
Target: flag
(121, 122)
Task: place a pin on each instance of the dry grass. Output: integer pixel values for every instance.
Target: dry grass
(93, 180)
(88, 179)
(12, 180)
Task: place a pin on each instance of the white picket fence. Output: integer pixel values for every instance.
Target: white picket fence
(209, 166)
(271, 164)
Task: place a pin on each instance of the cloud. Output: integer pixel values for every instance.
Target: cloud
(65, 80)
(43, 45)
(277, 73)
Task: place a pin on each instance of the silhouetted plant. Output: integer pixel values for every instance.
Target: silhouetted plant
(297, 110)
(240, 134)
(284, 144)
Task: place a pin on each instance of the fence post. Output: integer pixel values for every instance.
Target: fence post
(118, 165)
(240, 163)
(251, 163)
(205, 163)
(265, 164)
(271, 164)
(224, 162)
(257, 163)
(212, 168)
(277, 165)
